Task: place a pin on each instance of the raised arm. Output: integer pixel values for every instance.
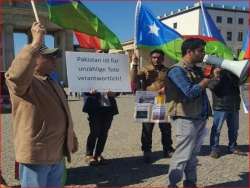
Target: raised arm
(20, 73)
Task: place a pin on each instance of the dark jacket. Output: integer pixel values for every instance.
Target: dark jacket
(226, 93)
(92, 105)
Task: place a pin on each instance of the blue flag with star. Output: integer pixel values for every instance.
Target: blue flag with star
(151, 34)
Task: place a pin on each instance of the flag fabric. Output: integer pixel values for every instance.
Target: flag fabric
(151, 33)
(209, 28)
(73, 15)
(93, 42)
(213, 46)
(245, 51)
(210, 33)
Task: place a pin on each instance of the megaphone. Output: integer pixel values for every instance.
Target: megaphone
(238, 68)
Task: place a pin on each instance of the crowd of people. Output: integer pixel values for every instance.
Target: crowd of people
(43, 128)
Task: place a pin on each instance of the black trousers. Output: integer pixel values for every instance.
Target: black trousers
(146, 137)
(99, 124)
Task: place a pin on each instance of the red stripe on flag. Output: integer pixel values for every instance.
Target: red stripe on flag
(247, 53)
(88, 41)
(205, 38)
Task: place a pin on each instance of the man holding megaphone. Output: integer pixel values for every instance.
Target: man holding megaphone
(189, 109)
(238, 68)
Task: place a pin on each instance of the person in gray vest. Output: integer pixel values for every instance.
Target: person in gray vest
(189, 109)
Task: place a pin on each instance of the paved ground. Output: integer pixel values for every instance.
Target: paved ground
(123, 151)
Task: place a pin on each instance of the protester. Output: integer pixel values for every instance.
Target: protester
(189, 109)
(226, 105)
(101, 107)
(152, 78)
(134, 60)
(43, 129)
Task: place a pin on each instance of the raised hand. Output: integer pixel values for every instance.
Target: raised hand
(38, 31)
(111, 94)
(216, 73)
(93, 91)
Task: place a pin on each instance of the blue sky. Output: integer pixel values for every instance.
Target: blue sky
(118, 15)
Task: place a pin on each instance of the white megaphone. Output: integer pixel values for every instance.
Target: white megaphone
(239, 68)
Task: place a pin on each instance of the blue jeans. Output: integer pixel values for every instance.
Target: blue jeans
(36, 175)
(232, 119)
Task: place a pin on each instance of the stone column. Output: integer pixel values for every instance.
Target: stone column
(8, 45)
(63, 41)
(29, 35)
(1, 48)
(69, 41)
(60, 42)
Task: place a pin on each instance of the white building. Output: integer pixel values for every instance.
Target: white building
(232, 21)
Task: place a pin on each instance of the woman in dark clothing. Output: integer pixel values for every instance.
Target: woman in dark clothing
(101, 107)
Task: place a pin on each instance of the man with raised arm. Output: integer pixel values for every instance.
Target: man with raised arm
(43, 129)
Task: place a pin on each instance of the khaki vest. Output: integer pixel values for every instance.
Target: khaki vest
(174, 97)
(153, 80)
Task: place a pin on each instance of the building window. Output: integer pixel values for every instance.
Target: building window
(229, 20)
(218, 19)
(240, 36)
(175, 25)
(241, 21)
(229, 36)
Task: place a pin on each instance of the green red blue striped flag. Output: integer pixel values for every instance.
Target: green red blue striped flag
(73, 15)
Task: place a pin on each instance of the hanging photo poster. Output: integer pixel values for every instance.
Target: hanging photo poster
(150, 107)
(159, 113)
(143, 112)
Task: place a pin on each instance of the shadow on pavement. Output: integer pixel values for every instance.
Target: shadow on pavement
(240, 183)
(205, 150)
(118, 172)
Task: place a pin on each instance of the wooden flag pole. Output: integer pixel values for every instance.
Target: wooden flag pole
(34, 10)
(35, 13)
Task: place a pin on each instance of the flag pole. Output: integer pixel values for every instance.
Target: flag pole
(137, 10)
(34, 10)
(35, 13)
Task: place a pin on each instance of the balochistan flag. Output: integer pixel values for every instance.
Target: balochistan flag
(93, 42)
(213, 46)
(153, 34)
(73, 15)
(245, 51)
(215, 42)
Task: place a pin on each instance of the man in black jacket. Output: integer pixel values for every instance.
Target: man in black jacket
(226, 105)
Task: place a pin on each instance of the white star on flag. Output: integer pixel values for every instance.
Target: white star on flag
(154, 29)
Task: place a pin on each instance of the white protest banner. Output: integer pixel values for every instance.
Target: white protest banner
(100, 71)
